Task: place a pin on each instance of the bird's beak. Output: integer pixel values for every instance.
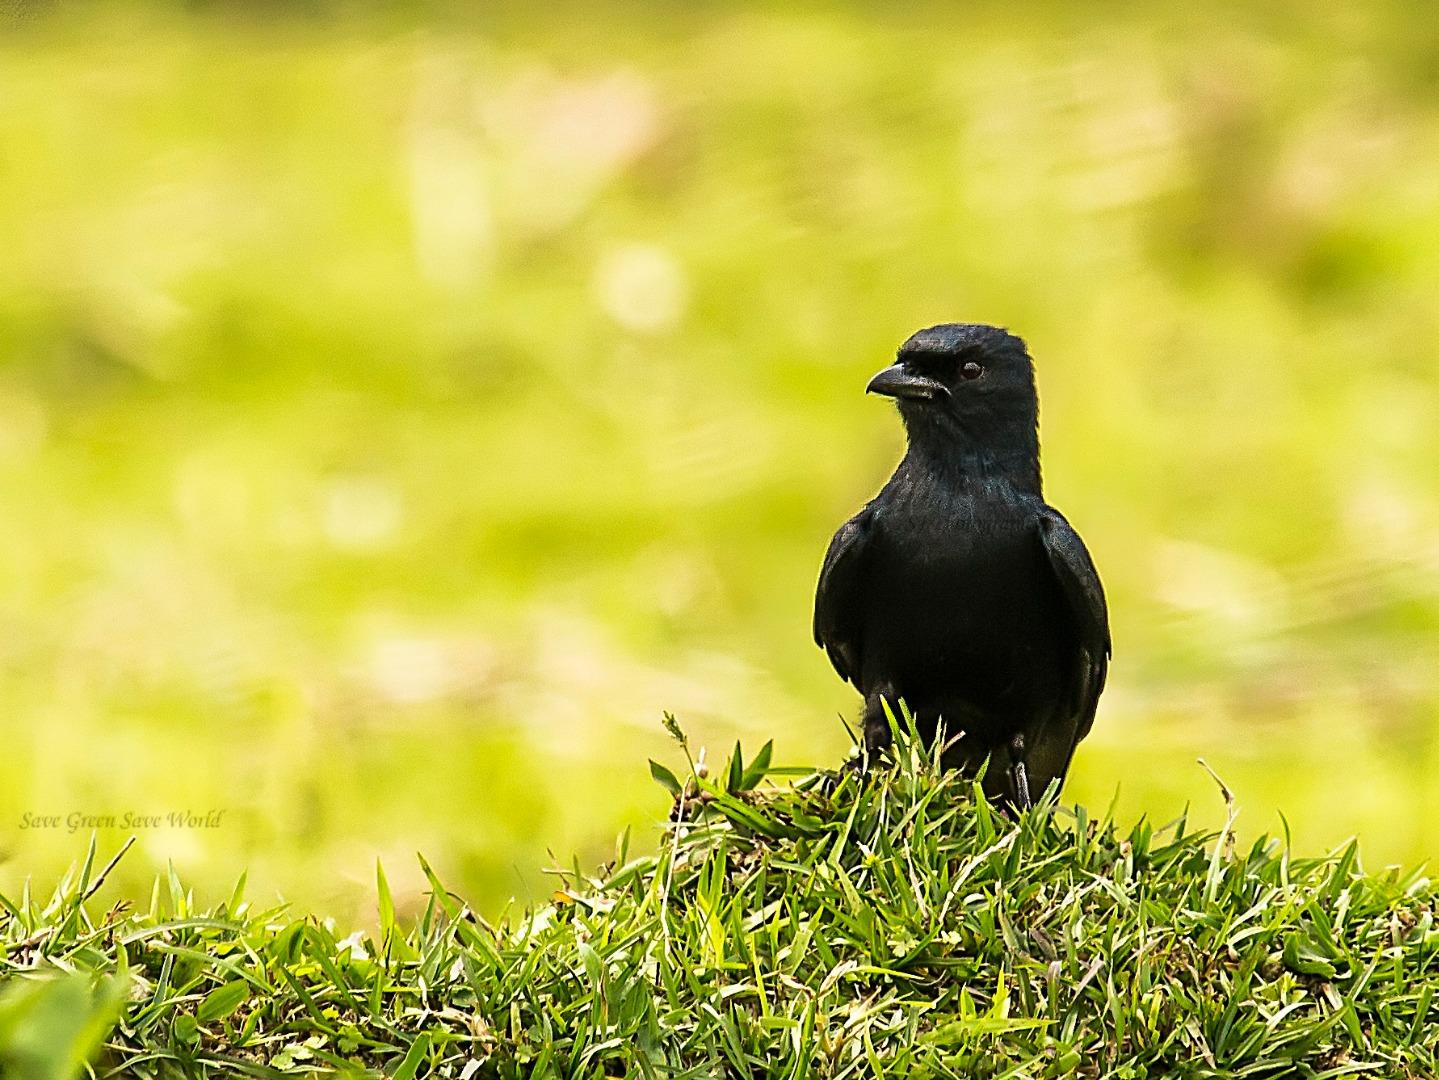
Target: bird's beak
(899, 381)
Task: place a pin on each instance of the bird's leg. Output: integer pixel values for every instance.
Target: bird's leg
(877, 734)
(1018, 775)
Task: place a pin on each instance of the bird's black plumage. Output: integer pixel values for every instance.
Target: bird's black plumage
(957, 588)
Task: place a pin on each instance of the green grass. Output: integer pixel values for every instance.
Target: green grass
(895, 926)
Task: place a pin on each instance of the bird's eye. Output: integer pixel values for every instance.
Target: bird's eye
(971, 370)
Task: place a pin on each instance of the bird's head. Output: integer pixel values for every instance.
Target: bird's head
(966, 385)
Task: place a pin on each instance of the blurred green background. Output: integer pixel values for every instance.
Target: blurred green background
(399, 412)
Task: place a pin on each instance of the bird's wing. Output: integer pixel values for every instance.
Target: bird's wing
(838, 600)
(1084, 595)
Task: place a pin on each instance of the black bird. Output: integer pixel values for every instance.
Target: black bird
(957, 588)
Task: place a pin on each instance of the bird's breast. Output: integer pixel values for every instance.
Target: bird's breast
(961, 601)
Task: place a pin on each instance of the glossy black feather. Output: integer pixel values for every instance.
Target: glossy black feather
(841, 586)
(1074, 569)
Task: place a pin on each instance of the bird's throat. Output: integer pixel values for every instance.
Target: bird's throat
(960, 463)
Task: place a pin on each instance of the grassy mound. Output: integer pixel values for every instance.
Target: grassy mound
(898, 926)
